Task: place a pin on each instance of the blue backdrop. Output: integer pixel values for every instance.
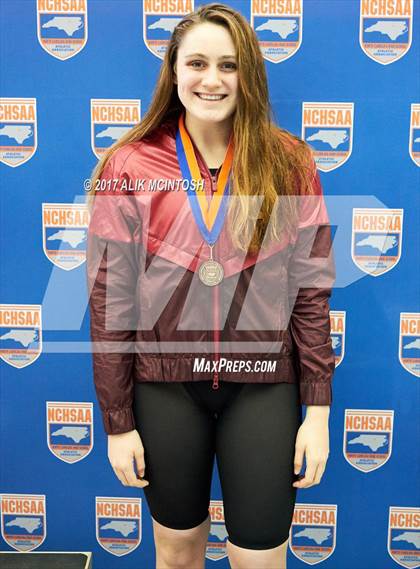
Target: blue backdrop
(343, 74)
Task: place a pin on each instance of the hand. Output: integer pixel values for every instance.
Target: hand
(122, 450)
(313, 439)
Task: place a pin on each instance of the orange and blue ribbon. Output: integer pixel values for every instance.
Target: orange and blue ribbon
(209, 217)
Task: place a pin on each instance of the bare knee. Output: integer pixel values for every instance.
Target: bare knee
(179, 549)
(241, 558)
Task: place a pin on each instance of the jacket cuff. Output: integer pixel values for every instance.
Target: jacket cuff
(315, 393)
(117, 421)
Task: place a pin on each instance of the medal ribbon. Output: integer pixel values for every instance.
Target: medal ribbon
(209, 218)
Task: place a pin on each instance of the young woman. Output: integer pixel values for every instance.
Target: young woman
(237, 270)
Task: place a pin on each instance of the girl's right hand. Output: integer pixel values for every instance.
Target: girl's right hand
(122, 450)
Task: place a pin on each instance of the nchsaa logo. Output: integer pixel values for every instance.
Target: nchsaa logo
(338, 334)
(385, 29)
(403, 535)
(159, 20)
(376, 239)
(18, 130)
(23, 520)
(62, 27)
(414, 144)
(216, 545)
(20, 334)
(328, 129)
(64, 231)
(367, 441)
(69, 430)
(409, 344)
(110, 119)
(313, 532)
(118, 524)
(278, 26)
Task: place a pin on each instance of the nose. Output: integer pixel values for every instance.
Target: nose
(212, 77)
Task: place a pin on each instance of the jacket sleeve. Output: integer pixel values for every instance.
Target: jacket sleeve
(112, 276)
(311, 277)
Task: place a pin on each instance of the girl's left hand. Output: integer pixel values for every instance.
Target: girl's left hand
(313, 439)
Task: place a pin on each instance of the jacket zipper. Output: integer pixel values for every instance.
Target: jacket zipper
(216, 330)
(216, 336)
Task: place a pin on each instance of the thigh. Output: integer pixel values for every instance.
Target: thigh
(255, 446)
(179, 447)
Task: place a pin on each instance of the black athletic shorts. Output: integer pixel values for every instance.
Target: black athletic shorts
(251, 430)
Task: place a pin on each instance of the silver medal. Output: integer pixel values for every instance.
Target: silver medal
(211, 272)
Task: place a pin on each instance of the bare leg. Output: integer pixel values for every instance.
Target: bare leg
(240, 558)
(181, 549)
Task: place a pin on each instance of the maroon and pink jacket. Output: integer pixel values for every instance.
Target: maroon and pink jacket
(151, 317)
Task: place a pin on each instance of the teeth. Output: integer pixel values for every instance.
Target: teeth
(211, 97)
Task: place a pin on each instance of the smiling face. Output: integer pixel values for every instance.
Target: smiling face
(206, 73)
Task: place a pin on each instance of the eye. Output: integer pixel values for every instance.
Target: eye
(197, 64)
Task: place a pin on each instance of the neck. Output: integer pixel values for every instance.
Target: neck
(210, 138)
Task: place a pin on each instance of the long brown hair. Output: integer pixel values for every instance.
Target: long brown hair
(268, 161)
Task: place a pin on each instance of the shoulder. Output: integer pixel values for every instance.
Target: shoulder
(295, 146)
(133, 156)
(121, 157)
(300, 159)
